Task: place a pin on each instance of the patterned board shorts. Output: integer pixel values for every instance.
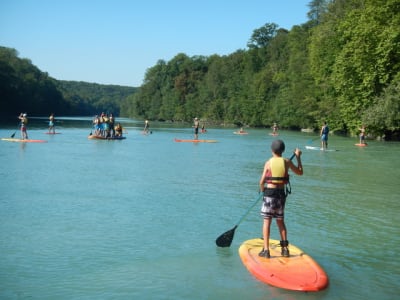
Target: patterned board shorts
(273, 205)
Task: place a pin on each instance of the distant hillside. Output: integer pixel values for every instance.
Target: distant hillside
(91, 98)
(25, 88)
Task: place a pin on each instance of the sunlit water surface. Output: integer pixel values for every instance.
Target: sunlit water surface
(138, 218)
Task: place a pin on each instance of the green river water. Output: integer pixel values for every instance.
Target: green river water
(138, 218)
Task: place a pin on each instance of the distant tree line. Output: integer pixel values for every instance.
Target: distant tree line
(25, 88)
(93, 98)
(341, 66)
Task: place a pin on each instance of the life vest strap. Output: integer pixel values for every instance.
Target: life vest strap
(277, 178)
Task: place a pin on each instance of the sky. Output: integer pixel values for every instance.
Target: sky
(116, 41)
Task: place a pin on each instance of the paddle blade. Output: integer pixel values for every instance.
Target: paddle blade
(12, 136)
(225, 239)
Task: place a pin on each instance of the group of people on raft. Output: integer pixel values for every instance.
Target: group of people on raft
(104, 126)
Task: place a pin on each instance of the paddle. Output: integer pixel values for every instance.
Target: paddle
(225, 239)
(312, 140)
(12, 136)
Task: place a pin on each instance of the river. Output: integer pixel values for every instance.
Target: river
(138, 218)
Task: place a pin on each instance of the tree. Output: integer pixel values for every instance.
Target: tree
(317, 9)
(262, 36)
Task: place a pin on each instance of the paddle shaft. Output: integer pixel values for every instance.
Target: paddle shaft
(19, 126)
(312, 140)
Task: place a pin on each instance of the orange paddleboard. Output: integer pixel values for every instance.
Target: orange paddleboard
(299, 272)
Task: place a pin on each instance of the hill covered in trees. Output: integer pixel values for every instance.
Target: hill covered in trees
(341, 66)
(25, 88)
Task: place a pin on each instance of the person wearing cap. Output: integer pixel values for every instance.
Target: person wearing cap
(24, 122)
(196, 128)
(273, 185)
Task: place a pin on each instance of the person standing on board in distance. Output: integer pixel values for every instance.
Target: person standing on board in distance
(51, 124)
(362, 134)
(24, 122)
(275, 128)
(273, 185)
(111, 122)
(196, 128)
(146, 127)
(324, 136)
(203, 128)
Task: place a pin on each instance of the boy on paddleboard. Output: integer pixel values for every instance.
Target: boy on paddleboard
(273, 183)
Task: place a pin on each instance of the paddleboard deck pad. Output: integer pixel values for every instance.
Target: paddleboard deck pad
(23, 140)
(320, 149)
(195, 141)
(298, 272)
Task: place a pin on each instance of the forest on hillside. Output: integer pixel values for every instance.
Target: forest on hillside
(342, 66)
(25, 88)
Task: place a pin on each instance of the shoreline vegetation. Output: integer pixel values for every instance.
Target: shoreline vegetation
(298, 78)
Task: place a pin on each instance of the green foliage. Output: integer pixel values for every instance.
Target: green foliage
(368, 57)
(332, 68)
(24, 88)
(262, 36)
(341, 66)
(384, 115)
(90, 98)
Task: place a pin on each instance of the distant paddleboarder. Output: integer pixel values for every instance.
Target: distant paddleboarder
(275, 129)
(196, 128)
(362, 135)
(324, 136)
(24, 122)
(146, 127)
(52, 128)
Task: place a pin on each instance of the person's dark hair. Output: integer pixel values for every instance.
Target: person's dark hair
(278, 146)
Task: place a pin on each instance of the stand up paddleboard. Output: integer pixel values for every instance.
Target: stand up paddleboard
(194, 141)
(361, 145)
(298, 272)
(240, 133)
(320, 149)
(52, 132)
(96, 137)
(23, 140)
